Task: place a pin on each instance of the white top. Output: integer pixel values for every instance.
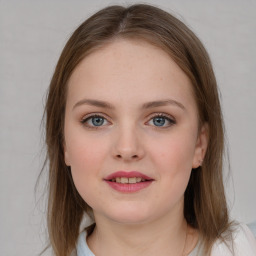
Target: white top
(244, 245)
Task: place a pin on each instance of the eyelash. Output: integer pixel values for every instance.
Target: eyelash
(167, 117)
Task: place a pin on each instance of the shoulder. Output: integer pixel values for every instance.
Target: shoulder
(244, 243)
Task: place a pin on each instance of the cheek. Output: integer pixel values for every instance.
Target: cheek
(86, 155)
(83, 149)
(173, 159)
(175, 153)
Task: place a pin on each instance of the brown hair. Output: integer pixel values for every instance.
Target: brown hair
(205, 205)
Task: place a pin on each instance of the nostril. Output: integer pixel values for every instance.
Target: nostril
(133, 157)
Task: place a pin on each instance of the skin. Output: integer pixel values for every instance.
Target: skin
(127, 74)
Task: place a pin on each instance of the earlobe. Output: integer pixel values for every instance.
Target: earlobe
(201, 146)
(66, 155)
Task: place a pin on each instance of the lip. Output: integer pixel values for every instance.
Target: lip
(128, 187)
(130, 174)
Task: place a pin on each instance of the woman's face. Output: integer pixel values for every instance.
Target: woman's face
(131, 132)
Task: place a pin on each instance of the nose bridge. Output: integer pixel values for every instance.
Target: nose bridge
(128, 144)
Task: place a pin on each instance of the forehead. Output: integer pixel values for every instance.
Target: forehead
(129, 67)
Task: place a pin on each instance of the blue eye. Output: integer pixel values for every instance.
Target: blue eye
(94, 121)
(161, 120)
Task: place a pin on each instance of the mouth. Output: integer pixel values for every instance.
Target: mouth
(128, 182)
(130, 177)
(125, 180)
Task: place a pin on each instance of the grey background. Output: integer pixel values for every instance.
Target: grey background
(32, 35)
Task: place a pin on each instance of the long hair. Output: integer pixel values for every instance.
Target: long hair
(205, 205)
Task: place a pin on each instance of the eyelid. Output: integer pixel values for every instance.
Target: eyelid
(162, 114)
(93, 115)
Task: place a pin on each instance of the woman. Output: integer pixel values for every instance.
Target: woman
(135, 140)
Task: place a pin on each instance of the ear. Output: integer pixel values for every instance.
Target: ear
(201, 146)
(66, 155)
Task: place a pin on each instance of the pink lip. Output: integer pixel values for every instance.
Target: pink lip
(127, 175)
(128, 188)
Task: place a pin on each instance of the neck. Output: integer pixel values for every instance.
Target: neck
(164, 236)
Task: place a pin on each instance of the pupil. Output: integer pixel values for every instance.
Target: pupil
(97, 121)
(158, 121)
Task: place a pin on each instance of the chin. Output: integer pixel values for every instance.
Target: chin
(130, 215)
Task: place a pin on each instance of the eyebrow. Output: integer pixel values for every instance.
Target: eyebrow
(151, 104)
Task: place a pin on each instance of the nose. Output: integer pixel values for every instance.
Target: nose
(128, 145)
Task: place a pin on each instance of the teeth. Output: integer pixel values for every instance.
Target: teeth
(132, 180)
(125, 180)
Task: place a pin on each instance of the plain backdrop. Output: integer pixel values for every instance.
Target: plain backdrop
(32, 35)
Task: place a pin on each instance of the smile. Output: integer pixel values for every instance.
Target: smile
(128, 182)
(125, 180)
